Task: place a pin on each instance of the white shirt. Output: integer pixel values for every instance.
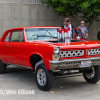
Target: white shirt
(70, 29)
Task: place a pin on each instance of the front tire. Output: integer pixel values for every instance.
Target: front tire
(3, 67)
(92, 76)
(43, 77)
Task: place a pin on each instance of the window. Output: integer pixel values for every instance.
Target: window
(40, 33)
(32, 1)
(7, 37)
(17, 36)
(78, 33)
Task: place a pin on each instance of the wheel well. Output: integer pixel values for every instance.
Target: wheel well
(34, 59)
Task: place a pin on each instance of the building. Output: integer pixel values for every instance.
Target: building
(20, 13)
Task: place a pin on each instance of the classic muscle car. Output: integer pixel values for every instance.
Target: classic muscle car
(40, 49)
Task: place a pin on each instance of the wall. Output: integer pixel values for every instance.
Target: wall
(20, 13)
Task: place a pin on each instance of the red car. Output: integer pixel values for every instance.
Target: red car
(39, 48)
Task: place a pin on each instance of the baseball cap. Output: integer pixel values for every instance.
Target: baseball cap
(66, 20)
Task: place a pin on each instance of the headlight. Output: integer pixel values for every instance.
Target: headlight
(56, 50)
(56, 53)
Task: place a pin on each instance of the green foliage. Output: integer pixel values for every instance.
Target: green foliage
(63, 7)
(90, 9)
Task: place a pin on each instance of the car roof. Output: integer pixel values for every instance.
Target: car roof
(20, 28)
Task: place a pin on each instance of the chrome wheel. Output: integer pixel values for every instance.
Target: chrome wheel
(92, 74)
(41, 77)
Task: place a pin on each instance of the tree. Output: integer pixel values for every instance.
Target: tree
(90, 9)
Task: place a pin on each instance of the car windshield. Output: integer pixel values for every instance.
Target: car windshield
(40, 33)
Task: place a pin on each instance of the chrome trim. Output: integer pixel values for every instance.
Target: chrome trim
(56, 53)
(71, 53)
(94, 51)
(72, 63)
(41, 77)
(86, 51)
(91, 74)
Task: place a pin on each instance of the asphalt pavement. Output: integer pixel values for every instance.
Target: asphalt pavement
(21, 78)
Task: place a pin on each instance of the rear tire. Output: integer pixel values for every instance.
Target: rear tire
(43, 77)
(92, 76)
(3, 67)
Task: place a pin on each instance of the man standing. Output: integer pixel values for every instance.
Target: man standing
(84, 30)
(67, 24)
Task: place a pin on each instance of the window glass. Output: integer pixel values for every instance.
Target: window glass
(17, 36)
(7, 37)
(40, 33)
(78, 33)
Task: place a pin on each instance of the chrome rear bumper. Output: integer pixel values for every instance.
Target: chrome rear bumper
(72, 63)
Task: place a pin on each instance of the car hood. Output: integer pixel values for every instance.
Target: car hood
(72, 45)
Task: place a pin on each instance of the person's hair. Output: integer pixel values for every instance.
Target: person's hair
(67, 19)
(82, 21)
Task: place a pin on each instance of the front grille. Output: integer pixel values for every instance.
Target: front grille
(94, 51)
(71, 53)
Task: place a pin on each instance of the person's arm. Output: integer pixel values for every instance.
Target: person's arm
(86, 33)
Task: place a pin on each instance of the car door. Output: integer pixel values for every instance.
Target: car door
(15, 48)
(3, 48)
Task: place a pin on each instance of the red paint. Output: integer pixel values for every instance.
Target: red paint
(57, 30)
(68, 29)
(62, 29)
(20, 52)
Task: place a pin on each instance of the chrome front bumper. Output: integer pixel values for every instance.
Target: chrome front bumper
(72, 63)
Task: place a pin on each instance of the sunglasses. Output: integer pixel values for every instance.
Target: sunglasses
(82, 23)
(66, 23)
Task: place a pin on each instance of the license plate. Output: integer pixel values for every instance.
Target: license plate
(85, 64)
